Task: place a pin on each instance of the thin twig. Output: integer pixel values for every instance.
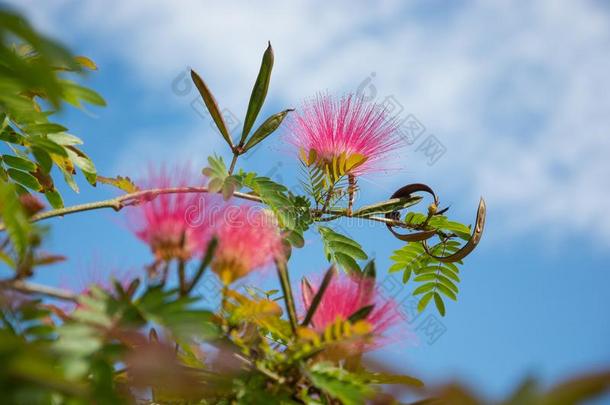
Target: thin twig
(32, 288)
(351, 189)
(327, 199)
(126, 200)
(233, 162)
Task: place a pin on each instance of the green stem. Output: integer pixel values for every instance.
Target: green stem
(233, 162)
(351, 189)
(205, 262)
(329, 196)
(282, 271)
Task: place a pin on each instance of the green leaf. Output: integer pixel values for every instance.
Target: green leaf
(435, 276)
(19, 163)
(424, 288)
(446, 282)
(83, 162)
(394, 204)
(216, 169)
(425, 277)
(177, 314)
(295, 238)
(230, 185)
(120, 182)
(48, 145)
(440, 305)
(406, 276)
(370, 270)
(348, 248)
(315, 302)
(291, 211)
(315, 183)
(361, 314)
(423, 302)
(387, 378)
(450, 273)
(43, 159)
(441, 222)
(339, 383)
(7, 259)
(215, 185)
(259, 92)
(267, 128)
(342, 250)
(346, 262)
(74, 94)
(54, 198)
(45, 128)
(17, 224)
(85, 62)
(212, 106)
(446, 291)
(65, 139)
(396, 267)
(25, 179)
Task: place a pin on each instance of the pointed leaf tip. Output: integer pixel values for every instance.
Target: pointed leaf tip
(370, 270)
(361, 314)
(267, 128)
(212, 106)
(259, 92)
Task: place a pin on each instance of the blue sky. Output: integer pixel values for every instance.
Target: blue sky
(517, 94)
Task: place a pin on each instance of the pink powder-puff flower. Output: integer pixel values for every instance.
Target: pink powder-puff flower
(357, 134)
(344, 296)
(174, 226)
(248, 238)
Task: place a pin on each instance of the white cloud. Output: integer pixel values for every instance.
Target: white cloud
(518, 93)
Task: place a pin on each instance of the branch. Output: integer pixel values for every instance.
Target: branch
(135, 198)
(126, 200)
(31, 288)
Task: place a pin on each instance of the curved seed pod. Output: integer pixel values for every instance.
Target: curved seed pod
(472, 242)
(406, 192)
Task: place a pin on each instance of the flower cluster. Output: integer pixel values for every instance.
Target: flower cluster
(181, 225)
(327, 129)
(345, 296)
(163, 221)
(248, 238)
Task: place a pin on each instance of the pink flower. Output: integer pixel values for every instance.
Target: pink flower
(248, 238)
(351, 128)
(173, 225)
(347, 294)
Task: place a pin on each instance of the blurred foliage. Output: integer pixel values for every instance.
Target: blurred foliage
(35, 83)
(150, 343)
